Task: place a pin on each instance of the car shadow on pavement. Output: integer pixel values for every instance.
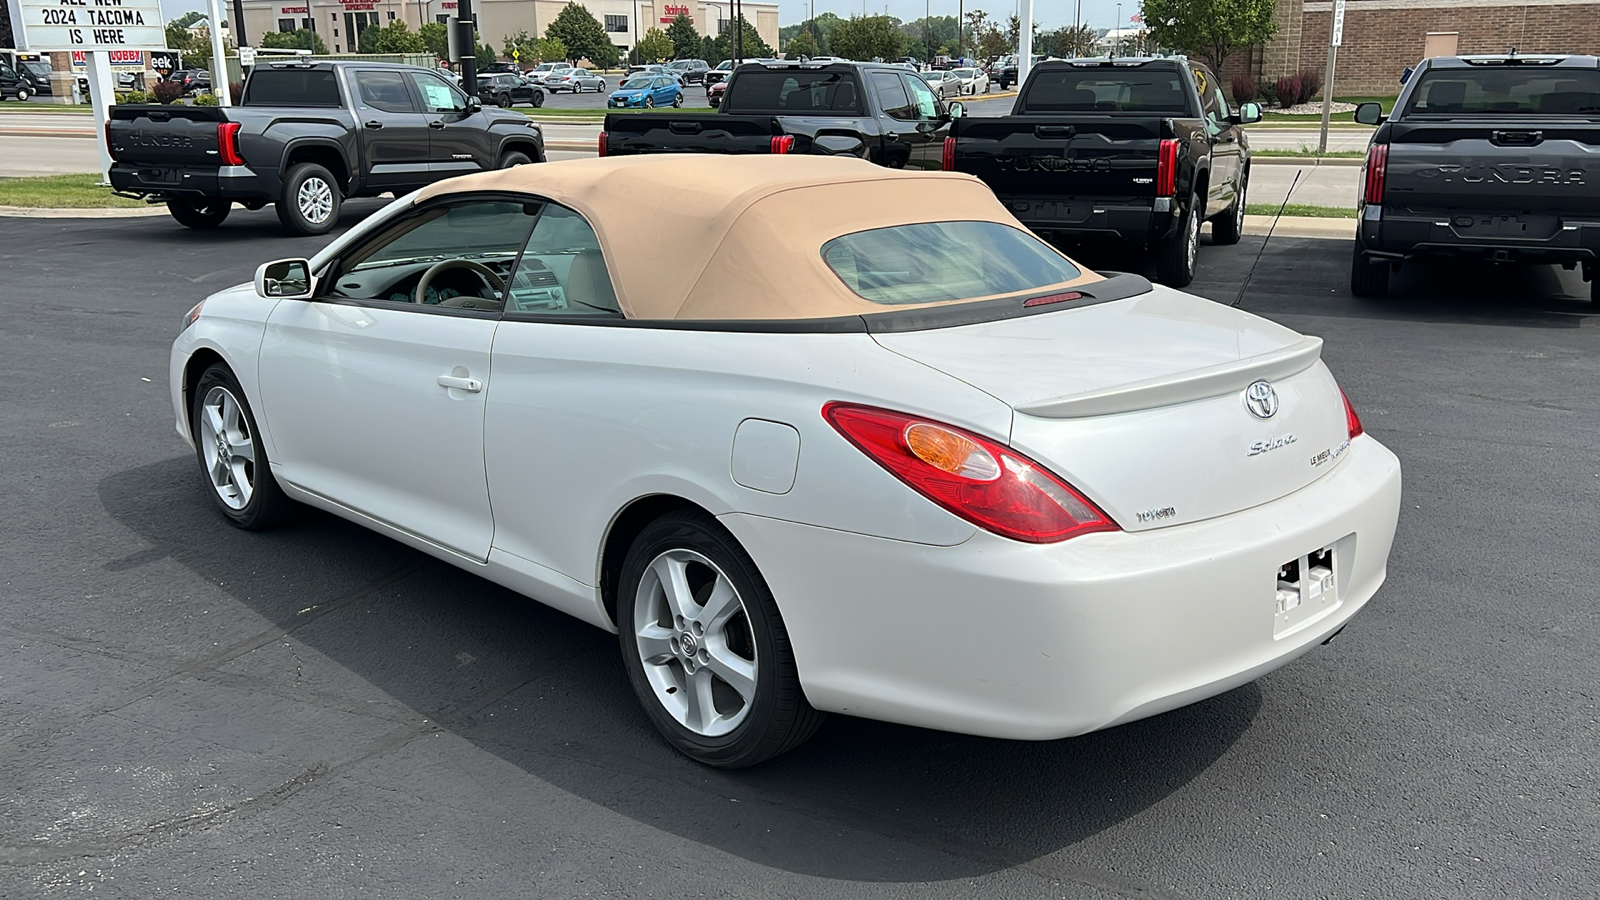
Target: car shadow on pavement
(862, 801)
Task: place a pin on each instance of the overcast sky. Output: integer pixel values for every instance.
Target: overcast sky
(1048, 13)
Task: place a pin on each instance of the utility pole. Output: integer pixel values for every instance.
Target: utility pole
(1335, 37)
(239, 40)
(1025, 41)
(1077, 28)
(738, 32)
(469, 48)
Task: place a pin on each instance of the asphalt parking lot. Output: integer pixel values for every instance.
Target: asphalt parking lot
(192, 711)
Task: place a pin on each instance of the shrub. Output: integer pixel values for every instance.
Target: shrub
(1310, 84)
(135, 97)
(166, 91)
(1244, 88)
(206, 100)
(1289, 88)
(1268, 92)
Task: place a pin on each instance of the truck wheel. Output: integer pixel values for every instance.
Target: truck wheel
(202, 214)
(1175, 255)
(1226, 228)
(310, 200)
(22, 94)
(514, 158)
(1368, 277)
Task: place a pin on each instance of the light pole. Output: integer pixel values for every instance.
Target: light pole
(1077, 28)
(1116, 46)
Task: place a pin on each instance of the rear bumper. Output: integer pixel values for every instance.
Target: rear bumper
(1037, 642)
(227, 182)
(1139, 221)
(1398, 233)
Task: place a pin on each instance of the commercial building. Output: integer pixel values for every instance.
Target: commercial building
(340, 22)
(1382, 37)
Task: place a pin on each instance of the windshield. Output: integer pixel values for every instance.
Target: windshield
(793, 92)
(1507, 89)
(636, 84)
(964, 73)
(1105, 90)
(938, 262)
(36, 68)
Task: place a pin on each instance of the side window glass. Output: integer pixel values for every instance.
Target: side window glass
(562, 271)
(384, 90)
(438, 96)
(892, 95)
(925, 103)
(454, 257)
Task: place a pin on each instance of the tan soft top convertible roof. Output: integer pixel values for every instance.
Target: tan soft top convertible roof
(699, 236)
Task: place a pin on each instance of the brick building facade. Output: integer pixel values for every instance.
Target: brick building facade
(1382, 37)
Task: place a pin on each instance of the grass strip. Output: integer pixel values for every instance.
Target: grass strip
(1300, 210)
(62, 192)
(1310, 153)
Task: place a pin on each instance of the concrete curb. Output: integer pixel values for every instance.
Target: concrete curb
(1302, 227)
(1306, 161)
(31, 212)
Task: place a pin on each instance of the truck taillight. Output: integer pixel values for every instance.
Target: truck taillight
(783, 144)
(949, 158)
(228, 143)
(1377, 169)
(601, 146)
(1167, 168)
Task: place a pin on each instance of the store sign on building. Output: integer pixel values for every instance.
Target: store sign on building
(672, 12)
(359, 5)
(294, 10)
(121, 61)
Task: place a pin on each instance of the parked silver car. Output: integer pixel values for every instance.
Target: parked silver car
(574, 80)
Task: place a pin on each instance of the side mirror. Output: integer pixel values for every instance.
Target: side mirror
(474, 104)
(1249, 113)
(957, 111)
(285, 279)
(1370, 114)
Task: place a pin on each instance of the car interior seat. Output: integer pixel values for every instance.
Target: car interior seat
(589, 284)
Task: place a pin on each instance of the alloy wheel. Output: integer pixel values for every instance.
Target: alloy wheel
(229, 448)
(315, 199)
(696, 643)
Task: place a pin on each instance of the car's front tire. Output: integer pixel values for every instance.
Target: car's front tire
(1176, 254)
(232, 456)
(677, 101)
(23, 94)
(705, 647)
(1368, 277)
(310, 200)
(649, 103)
(199, 214)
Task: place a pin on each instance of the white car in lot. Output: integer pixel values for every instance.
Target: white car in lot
(971, 81)
(866, 446)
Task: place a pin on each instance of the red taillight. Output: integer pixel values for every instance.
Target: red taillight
(228, 143)
(1167, 168)
(1351, 420)
(949, 159)
(601, 147)
(1377, 168)
(782, 144)
(983, 482)
(109, 148)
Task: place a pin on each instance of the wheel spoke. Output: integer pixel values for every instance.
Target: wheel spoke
(213, 417)
(697, 692)
(674, 578)
(230, 414)
(244, 448)
(241, 479)
(221, 475)
(720, 605)
(655, 644)
(739, 673)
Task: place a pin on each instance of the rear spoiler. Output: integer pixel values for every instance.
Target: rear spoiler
(1199, 384)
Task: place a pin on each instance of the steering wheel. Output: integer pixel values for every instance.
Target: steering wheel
(483, 271)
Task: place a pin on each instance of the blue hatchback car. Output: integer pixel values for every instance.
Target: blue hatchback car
(648, 91)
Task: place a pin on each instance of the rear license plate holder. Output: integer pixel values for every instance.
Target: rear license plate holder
(1308, 589)
(1530, 227)
(1060, 211)
(164, 177)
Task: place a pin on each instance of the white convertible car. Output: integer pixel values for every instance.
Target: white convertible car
(844, 439)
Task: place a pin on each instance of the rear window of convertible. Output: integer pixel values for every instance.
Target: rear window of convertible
(939, 262)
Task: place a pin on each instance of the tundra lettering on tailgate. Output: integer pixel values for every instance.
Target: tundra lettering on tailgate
(1504, 174)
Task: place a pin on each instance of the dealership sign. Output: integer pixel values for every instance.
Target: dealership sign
(91, 24)
(672, 12)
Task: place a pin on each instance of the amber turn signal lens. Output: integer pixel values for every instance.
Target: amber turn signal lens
(951, 452)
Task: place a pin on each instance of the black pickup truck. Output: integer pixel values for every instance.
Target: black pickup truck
(882, 113)
(1139, 150)
(307, 135)
(1487, 157)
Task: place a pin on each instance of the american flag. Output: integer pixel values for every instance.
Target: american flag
(1136, 17)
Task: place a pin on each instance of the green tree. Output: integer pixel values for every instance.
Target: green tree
(685, 40)
(549, 50)
(1211, 29)
(576, 27)
(188, 19)
(519, 47)
(655, 46)
(299, 39)
(483, 55)
(394, 37)
(194, 46)
(802, 44)
(867, 37)
(754, 46)
(436, 37)
(1066, 42)
(710, 51)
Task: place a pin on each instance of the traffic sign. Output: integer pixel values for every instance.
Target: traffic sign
(247, 57)
(1338, 22)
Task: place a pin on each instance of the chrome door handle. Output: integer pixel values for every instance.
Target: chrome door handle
(460, 383)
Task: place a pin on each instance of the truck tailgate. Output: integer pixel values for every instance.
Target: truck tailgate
(1046, 159)
(1538, 171)
(632, 133)
(165, 136)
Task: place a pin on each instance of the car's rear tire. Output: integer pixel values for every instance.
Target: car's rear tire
(310, 200)
(514, 158)
(538, 99)
(232, 455)
(1368, 277)
(1228, 227)
(201, 214)
(1176, 254)
(705, 647)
